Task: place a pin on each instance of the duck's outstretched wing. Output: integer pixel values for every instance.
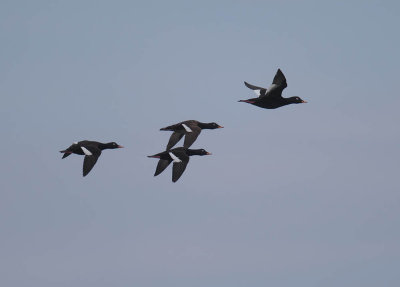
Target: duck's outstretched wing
(259, 91)
(277, 86)
(191, 137)
(92, 154)
(280, 79)
(161, 166)
(175, 137)
(179, 167)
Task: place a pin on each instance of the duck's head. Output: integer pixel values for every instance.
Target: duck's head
(214, 126)
(198, 152)
(113, 145)
(210, 126)
(296, 100)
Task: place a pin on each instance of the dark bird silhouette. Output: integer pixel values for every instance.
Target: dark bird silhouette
(180, 157)
(271, 98)
(91, 150)
(189, 128)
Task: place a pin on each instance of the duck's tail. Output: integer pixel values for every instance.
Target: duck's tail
(247, 101)
(166, 129)
(65, 153)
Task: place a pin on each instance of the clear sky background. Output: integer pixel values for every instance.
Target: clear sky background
(305, 195)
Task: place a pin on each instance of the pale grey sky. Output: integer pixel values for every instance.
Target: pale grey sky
(306, 195)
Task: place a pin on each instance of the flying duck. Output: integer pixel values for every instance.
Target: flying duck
(91, 150)
(271, 98)
(189, 128)
(180, 157)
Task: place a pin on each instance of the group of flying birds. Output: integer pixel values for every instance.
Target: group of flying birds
(270, 98)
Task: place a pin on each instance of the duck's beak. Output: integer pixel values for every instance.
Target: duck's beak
(220, 127)
(303, 101)
(120, 146)
(208, 153)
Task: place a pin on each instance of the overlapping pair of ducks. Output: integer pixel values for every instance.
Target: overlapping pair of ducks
(270, 98)
(180, 156)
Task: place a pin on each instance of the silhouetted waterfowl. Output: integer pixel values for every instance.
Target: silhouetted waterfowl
(189, 128)
(271, 98)
(91, 150)
(180, 157)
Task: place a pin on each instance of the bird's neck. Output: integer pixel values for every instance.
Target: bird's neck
(286, 101)
(105, 145)
(205, 125)
(290, 100)
(190, 152)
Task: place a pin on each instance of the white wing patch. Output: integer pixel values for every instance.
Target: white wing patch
(75, 143)
(273, 86)
(187, 128)
(86, 151)
(257, 92)
(174, 157)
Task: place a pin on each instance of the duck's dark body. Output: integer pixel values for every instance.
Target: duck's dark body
(271, 98)
(190, 128)
(91, 150)
(269, 103)
(180, 156)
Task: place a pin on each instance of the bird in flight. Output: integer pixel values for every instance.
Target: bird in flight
(190, 129)
(91, 150)
(271, 98)
(180, 157)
